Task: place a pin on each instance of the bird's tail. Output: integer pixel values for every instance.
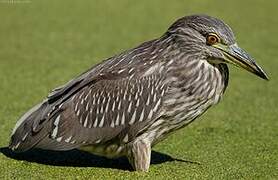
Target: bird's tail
(30, 128)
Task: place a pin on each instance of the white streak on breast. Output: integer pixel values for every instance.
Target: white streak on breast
(96, 121)
(98, 100)
(86, 121)
(86, 97)
(150, 114)
(162, 93)
(142, 115)
(154, 97)
(112, 123)
(129, 107)
(123, 119)
(94, 99)
(133, 118)
(107, 105)
(87, 106)
(101, 109)
(148, 100)
(76, 107)
(152, 90)
(102, 121)
(119, 106)
(117, 120)
(78, 112)
(137, 103)
(156, 106)
(113, 106)
(97, 112)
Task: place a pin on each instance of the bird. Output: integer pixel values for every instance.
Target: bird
(128, 103)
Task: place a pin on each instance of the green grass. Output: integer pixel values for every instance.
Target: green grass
(45, 43)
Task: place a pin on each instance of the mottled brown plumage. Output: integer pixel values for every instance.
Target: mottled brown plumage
(128, 103)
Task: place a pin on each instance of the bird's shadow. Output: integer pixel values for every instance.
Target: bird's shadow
(78, 158)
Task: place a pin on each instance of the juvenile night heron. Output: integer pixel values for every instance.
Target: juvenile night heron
(129, 102)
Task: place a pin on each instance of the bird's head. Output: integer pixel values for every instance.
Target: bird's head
(214, 40)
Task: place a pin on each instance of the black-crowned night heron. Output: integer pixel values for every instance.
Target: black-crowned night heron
(128, 103)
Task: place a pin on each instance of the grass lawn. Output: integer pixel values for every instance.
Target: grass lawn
(43, 44)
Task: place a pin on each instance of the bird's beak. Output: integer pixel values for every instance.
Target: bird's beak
(235, 55)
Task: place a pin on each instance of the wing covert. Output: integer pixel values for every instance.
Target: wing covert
(108, 109)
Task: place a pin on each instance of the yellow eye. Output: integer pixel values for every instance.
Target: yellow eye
(212, 39)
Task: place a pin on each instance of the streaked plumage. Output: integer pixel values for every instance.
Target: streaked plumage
(128, 103)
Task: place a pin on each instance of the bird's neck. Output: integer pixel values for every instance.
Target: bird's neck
(195, 83)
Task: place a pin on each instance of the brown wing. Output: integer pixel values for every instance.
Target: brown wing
(109, 109)
(56, 124)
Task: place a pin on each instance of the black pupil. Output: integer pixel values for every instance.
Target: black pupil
(212, 39)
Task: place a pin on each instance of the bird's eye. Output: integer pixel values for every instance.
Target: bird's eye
(212, 39)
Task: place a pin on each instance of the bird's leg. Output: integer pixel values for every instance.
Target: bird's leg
(139, 155)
